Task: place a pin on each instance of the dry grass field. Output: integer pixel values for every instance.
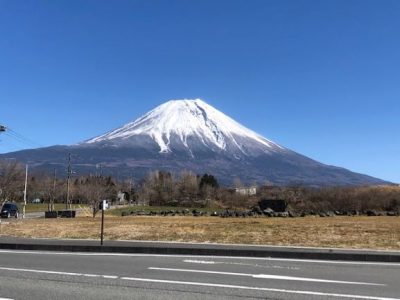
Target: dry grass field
(339, 232)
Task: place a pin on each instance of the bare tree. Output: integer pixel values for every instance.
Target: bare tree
(158, 189)
(95, 189)
(11, 180)
(188, 188)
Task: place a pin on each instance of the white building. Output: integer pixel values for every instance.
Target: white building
(246, 191)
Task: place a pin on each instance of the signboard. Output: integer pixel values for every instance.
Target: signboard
(104, 205)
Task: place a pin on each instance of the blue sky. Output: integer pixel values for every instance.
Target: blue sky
(319, 77)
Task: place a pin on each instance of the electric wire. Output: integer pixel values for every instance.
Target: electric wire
(17, 137)
(24, 138)
(20, 140)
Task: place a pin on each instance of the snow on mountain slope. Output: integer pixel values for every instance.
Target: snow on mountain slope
(188, 119)
(190, 135)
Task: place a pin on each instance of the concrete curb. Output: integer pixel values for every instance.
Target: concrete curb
(201, 249)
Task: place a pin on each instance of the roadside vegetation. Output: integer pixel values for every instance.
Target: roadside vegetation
(42, 207)
(161, 191)
(135, 210)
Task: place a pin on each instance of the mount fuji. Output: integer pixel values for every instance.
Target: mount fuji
(191, 135)
(189, 126)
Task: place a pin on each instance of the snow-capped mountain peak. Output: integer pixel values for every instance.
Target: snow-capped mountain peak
(191, 135)
(188, 120)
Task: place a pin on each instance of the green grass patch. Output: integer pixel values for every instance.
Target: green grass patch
(41, 207)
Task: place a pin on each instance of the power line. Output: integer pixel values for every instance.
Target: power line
(12, 134)
(20, 136)
(21, 141)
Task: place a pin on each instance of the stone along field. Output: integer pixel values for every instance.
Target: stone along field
(340, 232)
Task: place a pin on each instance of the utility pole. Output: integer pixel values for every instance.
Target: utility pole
(130, 191)
(51, 208)
(67, 204)
(26, 184)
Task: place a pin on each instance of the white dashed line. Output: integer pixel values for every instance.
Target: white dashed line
(205, 284)
(228, 286)
(57, 273)
(266, 276)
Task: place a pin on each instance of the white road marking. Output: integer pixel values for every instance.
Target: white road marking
(203, 284)
(266, 276)
(202, 256)
(258, 289)
(110, 276)
(210, 262)
(58, 272)
(6, 299)
(206, 262)
(91, 275)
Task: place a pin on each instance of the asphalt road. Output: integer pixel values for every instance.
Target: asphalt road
(55, 275)
(34, 215)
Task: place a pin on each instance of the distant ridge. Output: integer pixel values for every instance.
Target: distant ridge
(192, 135)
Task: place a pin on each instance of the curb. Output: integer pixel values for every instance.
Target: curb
(210, 250)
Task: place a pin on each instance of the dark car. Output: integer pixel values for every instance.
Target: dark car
(9, 210)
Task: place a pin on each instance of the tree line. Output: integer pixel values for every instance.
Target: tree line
(160, 188)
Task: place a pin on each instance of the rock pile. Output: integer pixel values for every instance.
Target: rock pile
(257, 212)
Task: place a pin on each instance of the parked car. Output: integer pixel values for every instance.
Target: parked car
(9, 210)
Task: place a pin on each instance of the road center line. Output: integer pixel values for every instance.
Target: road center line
(210, 262)
(266, 276)
(258, 289)
(205, 262)
(200, 284)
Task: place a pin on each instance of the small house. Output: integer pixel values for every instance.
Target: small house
(122, 197)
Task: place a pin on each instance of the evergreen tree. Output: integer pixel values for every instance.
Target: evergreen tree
(210, 180)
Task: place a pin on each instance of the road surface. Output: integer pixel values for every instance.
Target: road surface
(56, 275)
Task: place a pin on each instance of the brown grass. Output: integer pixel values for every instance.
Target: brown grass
(339, 232)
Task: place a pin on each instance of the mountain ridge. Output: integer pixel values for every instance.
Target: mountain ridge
(192, 135)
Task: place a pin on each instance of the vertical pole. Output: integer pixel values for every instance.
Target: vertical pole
(54, 191)
(102, 223)
(26, 184)
(68, 177)
(130, 192)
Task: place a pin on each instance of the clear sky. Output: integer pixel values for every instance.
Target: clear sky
(319, 77)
